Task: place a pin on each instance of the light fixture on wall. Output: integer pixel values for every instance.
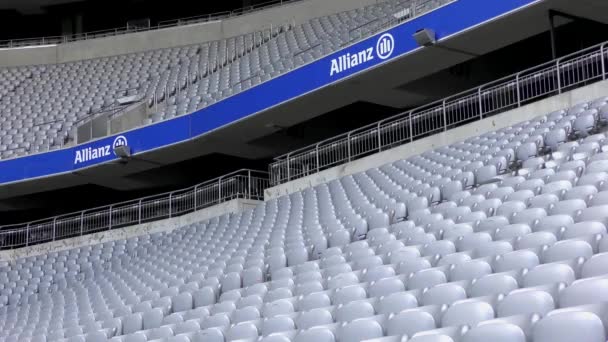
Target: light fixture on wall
(123, 152)
(425, 37)
(428, 38)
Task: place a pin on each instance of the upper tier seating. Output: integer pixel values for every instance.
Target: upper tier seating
(501, 237)
(41, 105)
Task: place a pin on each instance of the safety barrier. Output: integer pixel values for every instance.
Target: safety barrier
(245, 184)
(548, 79)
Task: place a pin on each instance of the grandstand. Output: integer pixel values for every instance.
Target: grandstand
(435, 247)
(481, 216)
(45, 103)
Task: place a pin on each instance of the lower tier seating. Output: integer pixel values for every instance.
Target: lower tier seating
(501, 237)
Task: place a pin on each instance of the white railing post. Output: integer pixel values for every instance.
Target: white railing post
(219, 190)
(480, 103)
(54, 228)
(445, 116)
(518, 92)
(603, 61)
(317, 156)
(379, 136)
(348, 147)
(27, 235)
(559, 78)
(411, 127)
(110, 219)
(195, 199)
(248, 184)
(288, 167)
(81, 223)
(170, 203)
(139, 212)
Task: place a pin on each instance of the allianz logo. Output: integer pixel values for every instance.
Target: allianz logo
(385, 46)
(92, 153)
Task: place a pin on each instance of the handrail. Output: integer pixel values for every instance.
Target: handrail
(48, 122)
(92, 115)
(508, 92)
(394, 21)
(63, 39)
(244, 183)
(307, 49)
(389, 24)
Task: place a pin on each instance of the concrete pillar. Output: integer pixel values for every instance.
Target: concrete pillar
(78, 23)
(67, 27)
(72, 24)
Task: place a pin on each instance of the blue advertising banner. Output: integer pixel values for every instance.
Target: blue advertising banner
(371, 52)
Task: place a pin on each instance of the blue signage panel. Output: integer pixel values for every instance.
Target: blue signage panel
(139, 140)
(396, 42)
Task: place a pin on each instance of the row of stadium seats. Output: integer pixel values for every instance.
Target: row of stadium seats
(501, 237)
(46, 102)
(302, 45)
(42, 105)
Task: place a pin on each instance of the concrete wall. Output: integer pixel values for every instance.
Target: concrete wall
(233, 206)
(297, 12)
(446, 138)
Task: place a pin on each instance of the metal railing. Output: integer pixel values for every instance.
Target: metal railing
(112, 110)
(245, 184)
(548, 79)
(224, 56)
(415, 9)
(160, 96)
(63, 39)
